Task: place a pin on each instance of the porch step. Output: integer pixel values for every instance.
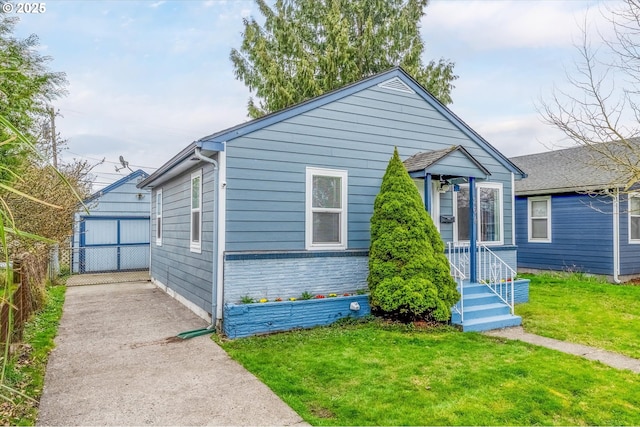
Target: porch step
(489, 323)
(471, 300)
(483, 310)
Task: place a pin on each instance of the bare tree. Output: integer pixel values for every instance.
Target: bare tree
(600, 109)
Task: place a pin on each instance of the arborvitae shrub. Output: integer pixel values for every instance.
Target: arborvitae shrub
(409, 277)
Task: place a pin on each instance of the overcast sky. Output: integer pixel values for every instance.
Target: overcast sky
(146, 78)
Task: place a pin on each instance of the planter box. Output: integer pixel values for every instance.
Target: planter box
(243, 320)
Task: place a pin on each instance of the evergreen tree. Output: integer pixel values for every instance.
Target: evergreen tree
(26, 87)
(309, 47)
(409, 275)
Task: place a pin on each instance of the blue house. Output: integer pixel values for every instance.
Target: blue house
(573, 213)
(281, 205)
(114, 234)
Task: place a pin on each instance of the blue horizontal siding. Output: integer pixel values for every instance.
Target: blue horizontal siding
(173, 264)
(581, 234)
(266, 168)
(629, 252)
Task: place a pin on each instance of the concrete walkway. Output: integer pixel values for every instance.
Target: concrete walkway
(607, 357)
(117, 362)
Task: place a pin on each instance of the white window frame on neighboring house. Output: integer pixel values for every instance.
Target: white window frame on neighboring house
(195, 244)
(310, 210)
(531, 219)
(493, 185)
(633, 214)
(159, 217)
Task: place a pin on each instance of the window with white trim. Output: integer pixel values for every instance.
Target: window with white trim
(490, 213)
(196, 211)
(539, 214)
(634, 218)
(159, 217)
(326, 209)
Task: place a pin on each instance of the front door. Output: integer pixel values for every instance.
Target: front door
(435, 199)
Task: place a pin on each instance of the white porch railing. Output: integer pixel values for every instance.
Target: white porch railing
(459, 277)
(491, 270)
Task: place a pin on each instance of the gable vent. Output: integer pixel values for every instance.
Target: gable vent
(396, 84)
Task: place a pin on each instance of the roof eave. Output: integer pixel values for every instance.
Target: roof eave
(560, 190)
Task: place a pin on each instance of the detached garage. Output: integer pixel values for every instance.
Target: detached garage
(114, 234)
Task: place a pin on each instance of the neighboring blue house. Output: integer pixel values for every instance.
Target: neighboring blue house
(572, 214)
(114, 234)
(281, 205)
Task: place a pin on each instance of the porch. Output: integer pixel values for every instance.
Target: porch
(487, 297)
(467, 205)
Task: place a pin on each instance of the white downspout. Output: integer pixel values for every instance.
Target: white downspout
(616, 236)
(513, 209)
(216, 284)
(152, 229)
(222, 236)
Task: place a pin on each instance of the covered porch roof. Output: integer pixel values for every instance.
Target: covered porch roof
(449, 163)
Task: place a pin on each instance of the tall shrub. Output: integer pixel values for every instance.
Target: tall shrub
(409, 275)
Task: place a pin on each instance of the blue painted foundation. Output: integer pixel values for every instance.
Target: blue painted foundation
(243, 320)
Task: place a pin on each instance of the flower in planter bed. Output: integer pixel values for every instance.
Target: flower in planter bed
(333, 295)
(278, 299)
(292, 299)
(263, 300)
(319, 296)
(346, 295)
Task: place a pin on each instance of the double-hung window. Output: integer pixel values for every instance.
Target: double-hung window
(196, 211)
(326, 209)
(159, 217)
(539, 209)
(634, 218)
(490, 213)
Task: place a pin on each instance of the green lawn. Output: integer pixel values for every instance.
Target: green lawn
(376, 374)
(584, 310)
(26, 369)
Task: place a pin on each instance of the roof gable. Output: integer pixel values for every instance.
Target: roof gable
(394, 79)
(453, 161)
(136, 174)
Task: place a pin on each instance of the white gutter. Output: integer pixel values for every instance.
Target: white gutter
(216, 285)
(616, 236)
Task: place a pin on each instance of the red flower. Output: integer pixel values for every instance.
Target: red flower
(319, 296)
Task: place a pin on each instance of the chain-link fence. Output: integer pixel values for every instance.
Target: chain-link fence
(91, 263)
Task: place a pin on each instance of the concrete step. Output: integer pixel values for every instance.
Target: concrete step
(489, 297)
(475, 288)
(485, 310)
(489, 323)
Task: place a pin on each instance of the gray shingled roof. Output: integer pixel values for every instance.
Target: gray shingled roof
(421, 161)
(576, 169)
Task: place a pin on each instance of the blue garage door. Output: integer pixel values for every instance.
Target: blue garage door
(114, 244)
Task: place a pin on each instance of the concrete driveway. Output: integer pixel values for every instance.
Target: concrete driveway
(117, 362)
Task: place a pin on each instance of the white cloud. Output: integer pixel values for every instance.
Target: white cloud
(157, 4)
(494, 24)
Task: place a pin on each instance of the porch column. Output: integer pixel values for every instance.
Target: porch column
(427, 192)
(473, 231)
